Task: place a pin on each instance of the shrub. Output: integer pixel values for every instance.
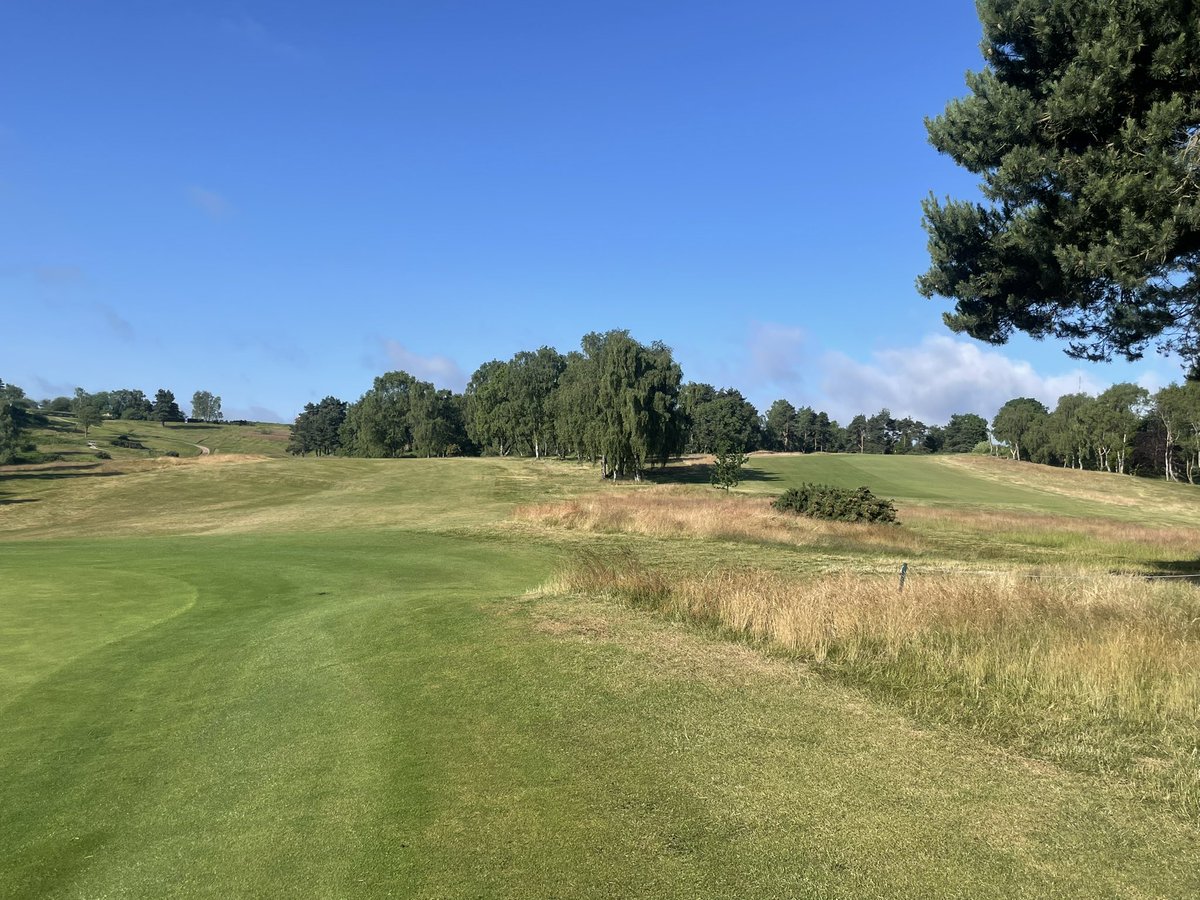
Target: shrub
(820, 501)
(124, 440)
(103, 454)
(727, 469)
(171, 453)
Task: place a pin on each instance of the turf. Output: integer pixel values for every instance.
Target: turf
(336, 678)
(63, 438)
(965, 481)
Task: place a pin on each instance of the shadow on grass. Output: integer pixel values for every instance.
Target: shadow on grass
(700, 473)
(81, 470)
(8, 501)
(1180, 570)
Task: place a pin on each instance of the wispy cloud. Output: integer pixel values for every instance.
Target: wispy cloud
(46, 388)
(249, 32)
(58, 275)
(441, 370)
(116, 323)
(209, 202)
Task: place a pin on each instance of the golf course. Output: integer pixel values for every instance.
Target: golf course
(239, 674)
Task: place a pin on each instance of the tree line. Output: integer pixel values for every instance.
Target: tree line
(1125, 429)
(614, 402)
(131, 404)
(624, 406)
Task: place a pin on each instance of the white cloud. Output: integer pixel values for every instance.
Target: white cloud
(939, 377)
(209, 202)
(441, 370)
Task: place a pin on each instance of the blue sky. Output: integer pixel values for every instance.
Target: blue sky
(279, 201)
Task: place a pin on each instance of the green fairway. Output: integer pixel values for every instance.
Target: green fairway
(982, 482)
(339, 678)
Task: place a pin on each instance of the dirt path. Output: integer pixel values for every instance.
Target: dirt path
(204, 451)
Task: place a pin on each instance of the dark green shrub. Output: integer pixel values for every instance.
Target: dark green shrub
(820, 501)
(103, 454)
(124, 440)
(171, 453)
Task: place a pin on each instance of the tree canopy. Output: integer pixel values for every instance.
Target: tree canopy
(206, 407)
(165, 409)
(1084, 129)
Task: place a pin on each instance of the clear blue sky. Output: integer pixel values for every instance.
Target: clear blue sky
(279, 201)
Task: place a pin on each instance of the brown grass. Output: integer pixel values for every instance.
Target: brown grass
(1185, 540)
(667, 511)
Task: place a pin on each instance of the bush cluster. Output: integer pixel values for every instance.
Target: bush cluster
(124, 440)
(820, 501)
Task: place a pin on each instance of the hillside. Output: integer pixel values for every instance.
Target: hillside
(64, 438)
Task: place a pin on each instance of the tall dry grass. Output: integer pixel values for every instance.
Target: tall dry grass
(1111, 536)
(1101, 675)
(667, 511)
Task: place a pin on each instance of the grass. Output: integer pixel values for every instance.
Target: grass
(64, 438)
(1102, 676)
(247, 676)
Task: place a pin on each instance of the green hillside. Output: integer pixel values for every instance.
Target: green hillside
(63, 437)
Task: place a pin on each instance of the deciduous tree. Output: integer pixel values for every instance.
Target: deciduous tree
(1017, 423)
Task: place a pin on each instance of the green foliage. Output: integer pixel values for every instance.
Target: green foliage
(820, 501)
(779, 426)
(1017, 423)
(206, 407)
(14, 422)
(1082, 128)
(129, 404)
(617, 402)
(718, 420)
(88, 409)
(492, 410)
(124, 440)
(1177, 408)
(165, 409)
(964, 432)
(318, 428)
(727, 469)
(402, 415)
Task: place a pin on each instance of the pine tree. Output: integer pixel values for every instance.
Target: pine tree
(1084, 128)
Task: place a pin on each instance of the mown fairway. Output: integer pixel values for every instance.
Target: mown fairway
(250, 677)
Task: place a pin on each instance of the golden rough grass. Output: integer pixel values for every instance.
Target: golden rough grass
(1172, 539)
(1102, 674)
(669, 511)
